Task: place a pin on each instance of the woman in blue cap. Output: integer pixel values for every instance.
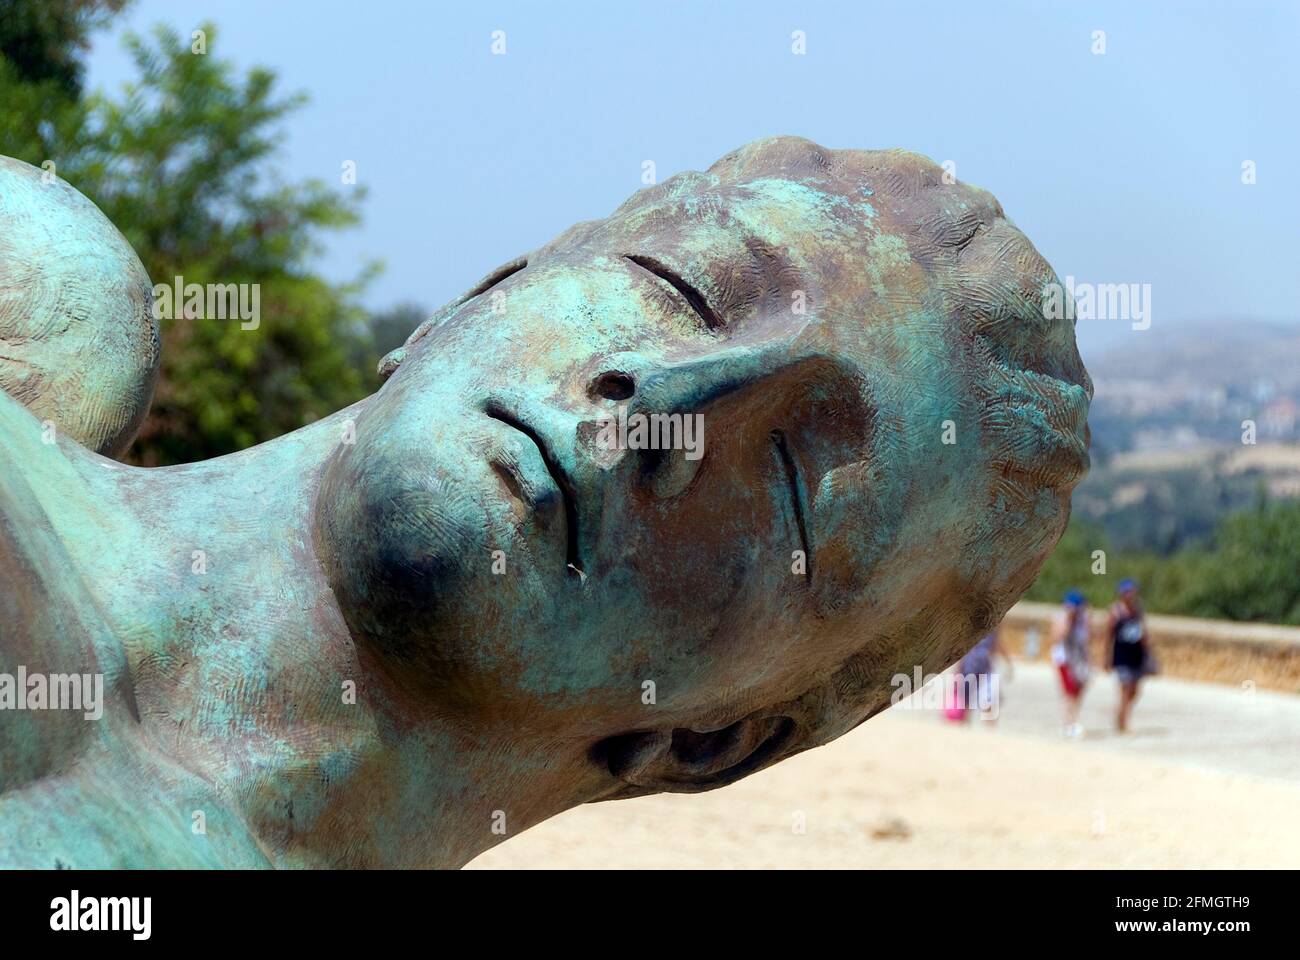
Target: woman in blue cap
(1130, 648)
(1070, 635)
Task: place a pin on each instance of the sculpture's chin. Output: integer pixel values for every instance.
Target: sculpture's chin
(425, 556)
(395, 538)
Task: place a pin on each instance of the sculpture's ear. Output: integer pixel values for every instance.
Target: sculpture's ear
(688, 761)
(394, 358)
(390, 362)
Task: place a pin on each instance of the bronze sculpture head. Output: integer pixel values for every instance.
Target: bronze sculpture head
(887, 430)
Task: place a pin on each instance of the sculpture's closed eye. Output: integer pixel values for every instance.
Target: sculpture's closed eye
(394, 358)
(495, 277)
(693, 297)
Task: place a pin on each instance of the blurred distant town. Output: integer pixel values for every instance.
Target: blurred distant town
(1195, 481)
(1189, 422)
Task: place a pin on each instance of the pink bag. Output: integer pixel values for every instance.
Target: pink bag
(953, 711)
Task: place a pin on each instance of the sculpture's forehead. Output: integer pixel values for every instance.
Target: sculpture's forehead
(705, 215)
(758, 245)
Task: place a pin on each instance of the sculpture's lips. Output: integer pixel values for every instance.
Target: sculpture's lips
(723, 756)
(794, 483)
(1037, 420)
(691, 761)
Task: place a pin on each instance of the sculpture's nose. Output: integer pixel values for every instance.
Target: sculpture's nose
(642, 432)
(683, 760)
(538, 470)
(523, 461)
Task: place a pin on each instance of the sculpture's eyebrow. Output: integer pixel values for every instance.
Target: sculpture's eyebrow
(693, 297)
(495, 277)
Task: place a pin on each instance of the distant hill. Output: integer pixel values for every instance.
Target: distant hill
(1228, 352)
(1190, 386)
(1167, 429)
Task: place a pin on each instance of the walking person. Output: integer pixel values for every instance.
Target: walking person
(976, 684)
(1071, 632)
(1130, 648)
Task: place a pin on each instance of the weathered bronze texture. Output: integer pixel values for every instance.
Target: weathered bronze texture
(406, 632)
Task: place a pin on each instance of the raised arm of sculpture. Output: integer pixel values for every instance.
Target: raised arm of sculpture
(411, 630)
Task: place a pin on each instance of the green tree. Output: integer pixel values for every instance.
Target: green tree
(1249, 571)
(182, 163)
(41, 70)
(1255, 573)
(45, 41)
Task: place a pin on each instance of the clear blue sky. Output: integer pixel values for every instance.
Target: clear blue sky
(1124, 167)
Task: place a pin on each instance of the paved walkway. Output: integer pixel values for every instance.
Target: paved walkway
(1234, 730)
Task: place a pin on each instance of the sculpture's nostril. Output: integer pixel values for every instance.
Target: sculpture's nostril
(613, 385)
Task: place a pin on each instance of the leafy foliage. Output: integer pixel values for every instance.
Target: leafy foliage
(1249, 569)
(44, 41)
(182, 163)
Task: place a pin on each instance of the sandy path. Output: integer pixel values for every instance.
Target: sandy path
(1212, 726)
(1210, 778)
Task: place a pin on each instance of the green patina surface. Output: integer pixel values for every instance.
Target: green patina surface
(448, 610)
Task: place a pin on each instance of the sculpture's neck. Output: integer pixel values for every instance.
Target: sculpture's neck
(245, 673)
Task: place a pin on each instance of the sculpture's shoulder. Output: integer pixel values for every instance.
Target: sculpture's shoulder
(33, 559)
(80, 787)
(30, 550)
(80, 342)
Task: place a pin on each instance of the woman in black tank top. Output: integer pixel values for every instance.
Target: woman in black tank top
(1129, 648)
